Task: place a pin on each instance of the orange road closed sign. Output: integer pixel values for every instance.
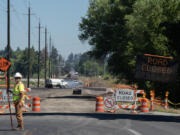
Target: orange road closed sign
(4, 64)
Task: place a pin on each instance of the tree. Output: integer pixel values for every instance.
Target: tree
(125, 28)
(87, 65)
(105, 29)
(153, 28)
(91, 68)
(55, 61)
(69, 63)
(21, 61)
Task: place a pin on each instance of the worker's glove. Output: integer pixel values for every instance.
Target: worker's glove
(9, 91)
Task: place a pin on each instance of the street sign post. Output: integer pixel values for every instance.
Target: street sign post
(125, 95)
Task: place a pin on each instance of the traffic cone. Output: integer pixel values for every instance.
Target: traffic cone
(134, 112)
(2, 111)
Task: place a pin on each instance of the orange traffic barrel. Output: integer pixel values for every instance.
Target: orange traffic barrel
(99, 104)
(144, 106)
(36, 104)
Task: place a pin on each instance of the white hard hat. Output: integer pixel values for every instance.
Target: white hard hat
(18, 75)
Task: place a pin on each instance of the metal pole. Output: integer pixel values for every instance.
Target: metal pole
(8, 58)
(29, 42)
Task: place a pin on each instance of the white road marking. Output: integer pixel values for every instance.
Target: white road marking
(134, 132)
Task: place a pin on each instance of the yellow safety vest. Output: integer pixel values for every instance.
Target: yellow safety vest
(17, 89)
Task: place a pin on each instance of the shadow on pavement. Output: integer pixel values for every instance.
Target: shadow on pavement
(104, 116)
(93, 98)
(6, 130)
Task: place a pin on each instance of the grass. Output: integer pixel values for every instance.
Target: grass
(32, 84)
(109, 82)
(159, 108)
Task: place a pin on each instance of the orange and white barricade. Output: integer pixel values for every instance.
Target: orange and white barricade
(139, 91)
(152, 100)
(99, 104)
(36, 104)
(4, 107)
(145, 106)
(27, 99)
(133, 106)
(166, 100)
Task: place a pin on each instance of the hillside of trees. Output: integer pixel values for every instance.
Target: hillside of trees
(123, 29)
(19, 61)
(85, 65)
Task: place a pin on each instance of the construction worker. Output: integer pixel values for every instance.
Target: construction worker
(18, 100)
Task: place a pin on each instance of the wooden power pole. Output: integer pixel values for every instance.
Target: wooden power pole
(39, 53)
(45, 65)
(29, 43)
(8, 57)
(50, 57)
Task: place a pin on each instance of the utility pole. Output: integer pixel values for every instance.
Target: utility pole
(50, 57)
(45, 68)
(104, 67)
(8, 39)
(52, 67)
(29, 43)
(39, 53)
(8, 57)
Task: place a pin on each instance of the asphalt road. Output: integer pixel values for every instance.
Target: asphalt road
(64, 101)
(93, 124)
(65, 114)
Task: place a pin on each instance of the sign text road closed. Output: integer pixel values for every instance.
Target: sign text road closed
(125, 95)
(156, 68)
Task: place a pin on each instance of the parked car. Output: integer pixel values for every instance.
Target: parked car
(73, 84)
(50, 83)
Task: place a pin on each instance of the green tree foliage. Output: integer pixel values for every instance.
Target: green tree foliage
(56, 58)
(84, 64)
(125, 28)
(70, 63)
(19, 61)
(92, 68)
(104, 27)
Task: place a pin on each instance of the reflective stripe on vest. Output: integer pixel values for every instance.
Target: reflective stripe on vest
(17, 89)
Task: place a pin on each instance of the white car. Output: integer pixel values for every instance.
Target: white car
(63, 84)
(50, 83)
(73, 84)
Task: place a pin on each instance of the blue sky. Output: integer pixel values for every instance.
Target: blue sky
(60, 16)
